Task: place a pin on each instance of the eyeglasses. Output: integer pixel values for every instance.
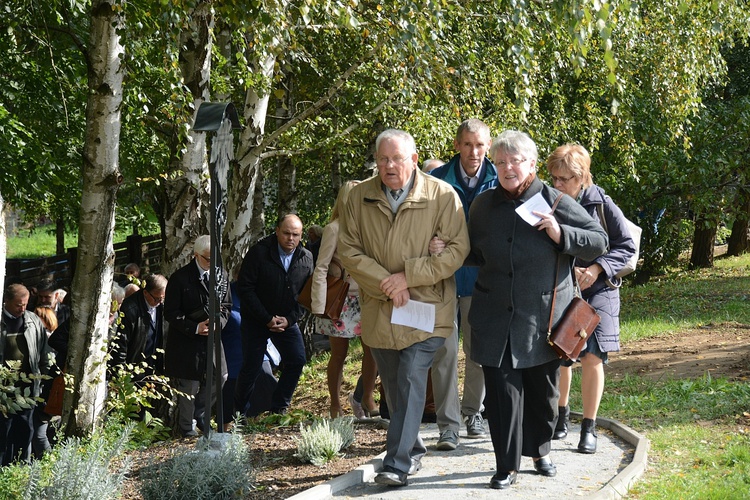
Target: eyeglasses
(561, 179)
(383, 161)
(207, 259)
(156, 298)
(513, 162)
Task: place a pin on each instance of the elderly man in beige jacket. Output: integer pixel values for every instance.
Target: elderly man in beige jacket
(385, 233)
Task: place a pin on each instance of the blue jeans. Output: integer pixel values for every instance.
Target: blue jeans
(293, 358)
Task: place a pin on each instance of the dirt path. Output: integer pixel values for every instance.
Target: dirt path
(723, 350)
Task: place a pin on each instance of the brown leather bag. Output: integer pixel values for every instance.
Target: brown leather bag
(55, 398)
(578, 322)
(573, 330)
(337, 290)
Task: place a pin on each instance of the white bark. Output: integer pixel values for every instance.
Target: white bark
(241, 229)
(93, 278)
(188, 194)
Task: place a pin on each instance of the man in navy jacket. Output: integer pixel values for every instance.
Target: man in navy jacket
(470, 172)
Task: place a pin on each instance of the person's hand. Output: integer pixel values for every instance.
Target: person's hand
(393, 285)
(278, 324)
(436, 246)
(587, 276)
(549, 224)
(401, 298)
(203, 328)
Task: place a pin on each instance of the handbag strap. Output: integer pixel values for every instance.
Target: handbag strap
(557, 275)
(554, 297)
(338, 264)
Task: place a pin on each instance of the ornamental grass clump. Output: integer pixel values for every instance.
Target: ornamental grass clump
(323, 440)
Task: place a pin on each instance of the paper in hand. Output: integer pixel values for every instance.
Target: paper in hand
(536, 203)
(415, 314)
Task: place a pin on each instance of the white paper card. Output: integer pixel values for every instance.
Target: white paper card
(536, 203)
(419, 315)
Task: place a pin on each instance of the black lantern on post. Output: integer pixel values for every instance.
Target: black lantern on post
(222, 119)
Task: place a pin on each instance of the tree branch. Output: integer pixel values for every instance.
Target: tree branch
(317, 106)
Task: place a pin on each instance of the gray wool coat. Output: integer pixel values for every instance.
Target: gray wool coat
(517, 264)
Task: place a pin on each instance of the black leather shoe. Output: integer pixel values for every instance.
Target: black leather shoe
(416, 466)
(545, 467)
(503, 480)
(392, 477)
(587, 444)
(561, 429)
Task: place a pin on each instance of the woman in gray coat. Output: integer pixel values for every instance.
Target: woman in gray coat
(570, 169)
(510, 312)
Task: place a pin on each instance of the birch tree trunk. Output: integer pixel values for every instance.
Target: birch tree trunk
(187, 193)
(242, 229)
(92, 283)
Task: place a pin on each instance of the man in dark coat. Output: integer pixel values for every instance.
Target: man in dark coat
(273, 273)
(23, 340)
(140, 337)
(186, 310)
(47, 295)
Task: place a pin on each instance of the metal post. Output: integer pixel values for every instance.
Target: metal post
(221, 118)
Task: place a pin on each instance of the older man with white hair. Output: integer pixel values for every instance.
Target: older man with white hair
(385, 233)
(186, 305)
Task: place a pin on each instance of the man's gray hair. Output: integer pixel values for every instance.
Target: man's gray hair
(473, 126)
(202, 243)
(396, 134)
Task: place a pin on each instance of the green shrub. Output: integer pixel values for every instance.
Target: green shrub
(16, 388)
(202, 473)
(323, 440)
(13, 480)
(133, 402)
(80, 470)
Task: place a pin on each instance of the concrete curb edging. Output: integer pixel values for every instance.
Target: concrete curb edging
(361, 474)
(620, 484)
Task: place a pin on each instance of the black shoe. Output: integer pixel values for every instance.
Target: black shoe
(280, 411)
(587, 444)
(391, 477)
(561, 429)
(503, 480)
(189, 433)
(416, 466)
(545, 467)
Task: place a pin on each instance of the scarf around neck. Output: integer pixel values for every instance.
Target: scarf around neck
(516, 193)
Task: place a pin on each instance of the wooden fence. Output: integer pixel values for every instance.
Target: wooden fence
(145, 251)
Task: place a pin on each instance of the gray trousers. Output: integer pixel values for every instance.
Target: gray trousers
(474, 391)
(404, 377)
(445, 384)
(190, 408)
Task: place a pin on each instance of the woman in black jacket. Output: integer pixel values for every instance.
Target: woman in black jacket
(519, 260)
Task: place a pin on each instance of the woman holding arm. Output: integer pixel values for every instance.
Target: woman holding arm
(570, 169)
(348, 326)
(518, 264)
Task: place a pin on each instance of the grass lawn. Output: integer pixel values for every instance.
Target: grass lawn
(40, 242)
